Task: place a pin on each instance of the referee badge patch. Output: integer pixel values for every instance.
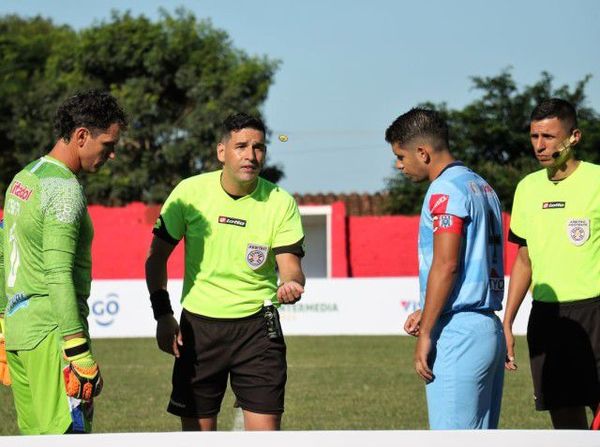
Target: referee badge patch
(256, 255)
(578, 231)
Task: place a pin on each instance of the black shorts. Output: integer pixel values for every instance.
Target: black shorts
(214, 349)
(564, 350)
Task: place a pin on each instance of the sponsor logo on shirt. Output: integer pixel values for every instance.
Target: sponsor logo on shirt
(438, 203)
(21, 191)
(232, 221)
(552, 205)
(496, 281)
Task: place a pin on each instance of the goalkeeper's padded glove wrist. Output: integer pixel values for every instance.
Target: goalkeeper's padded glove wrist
(161, 304)
(82, 375)
(4, 374)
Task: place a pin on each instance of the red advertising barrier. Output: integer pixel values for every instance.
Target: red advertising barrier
(361, 246)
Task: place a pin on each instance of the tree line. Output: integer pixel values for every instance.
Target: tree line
(178, 77)
(491, 135)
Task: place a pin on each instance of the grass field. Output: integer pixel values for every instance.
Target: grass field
(334, 383)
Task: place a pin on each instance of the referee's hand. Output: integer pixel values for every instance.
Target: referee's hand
(168, 335)
(289, 292)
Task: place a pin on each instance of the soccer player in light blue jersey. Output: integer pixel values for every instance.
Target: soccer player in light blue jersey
(460, 348)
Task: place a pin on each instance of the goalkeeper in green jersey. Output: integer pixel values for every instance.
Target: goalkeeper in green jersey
(47, 270)
(4, 374)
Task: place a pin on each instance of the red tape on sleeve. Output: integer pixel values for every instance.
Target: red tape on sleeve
(447, 223)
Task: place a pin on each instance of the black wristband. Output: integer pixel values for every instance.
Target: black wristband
(161, 304)
(76, 350)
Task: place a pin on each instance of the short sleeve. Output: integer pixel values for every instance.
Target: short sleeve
(289, 231)
(445, 198)
(170, 225)
(517, 217)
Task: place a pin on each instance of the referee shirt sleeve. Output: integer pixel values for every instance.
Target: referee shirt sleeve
(171, 224)
(518, 219)
(295, 249)
(512, 237)
(289, 237)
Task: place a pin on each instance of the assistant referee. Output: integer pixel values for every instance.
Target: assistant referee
(556, 223)
(240, 231)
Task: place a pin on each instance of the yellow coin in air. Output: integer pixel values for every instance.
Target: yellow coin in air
(283, 138)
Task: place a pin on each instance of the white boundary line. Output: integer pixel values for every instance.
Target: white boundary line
(392, 438)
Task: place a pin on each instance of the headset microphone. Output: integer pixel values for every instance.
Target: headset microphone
(565, 148)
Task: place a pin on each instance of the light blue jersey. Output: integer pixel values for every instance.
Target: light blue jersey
(460, 192)
(468, 347)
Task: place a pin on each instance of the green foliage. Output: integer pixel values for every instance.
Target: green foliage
(177, 78)
(491, 135)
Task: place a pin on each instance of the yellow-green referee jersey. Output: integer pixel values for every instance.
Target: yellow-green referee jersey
(230, 243)
(560, 224)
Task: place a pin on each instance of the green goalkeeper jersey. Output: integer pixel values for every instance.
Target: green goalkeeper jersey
(47, 252)
(2, 293)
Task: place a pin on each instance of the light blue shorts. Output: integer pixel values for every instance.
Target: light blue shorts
(467, 356)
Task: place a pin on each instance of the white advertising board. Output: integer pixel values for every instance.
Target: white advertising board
(349, 306)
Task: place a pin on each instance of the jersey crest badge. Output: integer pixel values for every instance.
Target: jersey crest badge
(256, 255)
(578, 231)
(446, 221)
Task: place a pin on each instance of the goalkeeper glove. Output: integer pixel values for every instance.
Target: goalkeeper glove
(4, 374)
(82, 375)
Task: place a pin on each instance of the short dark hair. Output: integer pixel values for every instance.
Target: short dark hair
(419, 123)
(556, 108)
(239, 121)
(94, 109)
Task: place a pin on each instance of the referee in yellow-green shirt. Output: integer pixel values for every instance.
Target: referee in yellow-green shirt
(556, 223)
(240, 232)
